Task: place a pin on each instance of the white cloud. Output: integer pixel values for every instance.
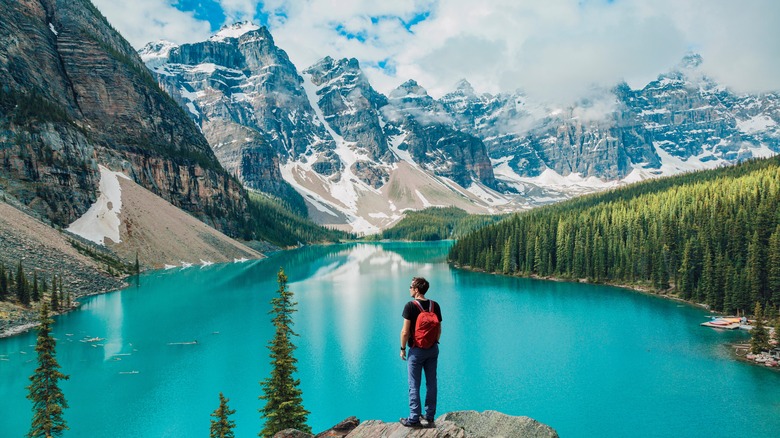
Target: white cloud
(556, 50)
(142, 21)
(239, 10)
(739, 41)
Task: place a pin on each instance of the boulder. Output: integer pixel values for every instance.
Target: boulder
(496, 424)
(340, 430)
(292, 433)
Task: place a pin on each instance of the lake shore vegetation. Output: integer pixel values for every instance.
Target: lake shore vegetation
(708, 237)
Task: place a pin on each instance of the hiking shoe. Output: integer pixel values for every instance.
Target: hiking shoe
(430, 423)
(409, 423)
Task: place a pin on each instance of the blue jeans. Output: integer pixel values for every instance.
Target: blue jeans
(420, 360)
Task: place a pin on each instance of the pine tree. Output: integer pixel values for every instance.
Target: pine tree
(137, 265)
(55, 301)
(22, 291)
(36, 293)
(45, 394)
(777, 330)
(759, 340)
(222, 426)
(755, 264)
(3, 283)
(773, 261)
(284, 401)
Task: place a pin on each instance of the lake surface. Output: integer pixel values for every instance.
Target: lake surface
(587, 360)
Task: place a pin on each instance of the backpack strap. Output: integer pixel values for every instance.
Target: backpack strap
(419, 306)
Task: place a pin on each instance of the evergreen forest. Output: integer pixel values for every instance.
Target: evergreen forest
(17, 285)
(437, 223)
(275, 222)
(710, 237)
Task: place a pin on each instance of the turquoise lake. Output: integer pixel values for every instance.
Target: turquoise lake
(587, 360)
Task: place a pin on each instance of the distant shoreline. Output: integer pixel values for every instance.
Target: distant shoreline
(28, 317)
(633, 287)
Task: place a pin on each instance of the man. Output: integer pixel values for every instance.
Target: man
(420, 359)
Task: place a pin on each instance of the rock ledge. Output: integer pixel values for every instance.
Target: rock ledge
(458, 424)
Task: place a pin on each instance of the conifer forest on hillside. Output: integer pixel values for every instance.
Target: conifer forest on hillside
(710, 237)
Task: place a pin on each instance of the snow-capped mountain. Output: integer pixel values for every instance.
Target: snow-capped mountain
(680, 122)
(360, 158)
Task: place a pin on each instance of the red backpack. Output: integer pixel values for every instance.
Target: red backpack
(427, 327)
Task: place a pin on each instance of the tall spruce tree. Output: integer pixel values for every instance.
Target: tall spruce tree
(773, 261)
(55, 301)
(222, 426)
(36, 293)
(3, 283)
(22, 289)
(284, 402)
(45, 394)
(777, 331)
(759, 339)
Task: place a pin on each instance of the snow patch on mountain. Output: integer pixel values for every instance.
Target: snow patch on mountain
(347, 186)
(756, 124)
(155, 54)
(101, 221)
(234, 31)
(395, 142)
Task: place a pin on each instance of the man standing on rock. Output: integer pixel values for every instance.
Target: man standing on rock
(421, 330)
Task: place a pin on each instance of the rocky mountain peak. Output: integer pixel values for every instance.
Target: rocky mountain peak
(156, 53)
(328, 69)
(409, 90)
(464, 87)
(236, 30)
(691, 60)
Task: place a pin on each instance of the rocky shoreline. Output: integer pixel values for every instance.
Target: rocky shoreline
(15, 319)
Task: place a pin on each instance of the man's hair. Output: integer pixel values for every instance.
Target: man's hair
(421, 284)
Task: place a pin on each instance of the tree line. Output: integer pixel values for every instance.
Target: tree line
(437, 223)
(25, 291)
(275, 221)
(710, 237)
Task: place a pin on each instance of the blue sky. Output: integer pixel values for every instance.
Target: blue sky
(558, 50)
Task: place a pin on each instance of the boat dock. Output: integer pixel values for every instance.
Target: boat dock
(727, 323)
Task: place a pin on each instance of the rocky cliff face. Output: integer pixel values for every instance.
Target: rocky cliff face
(429, 134)
(75, 94)
(248, 99)
(351, 107)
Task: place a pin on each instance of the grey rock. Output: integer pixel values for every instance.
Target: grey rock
(460, 424)
(292, 433)
(341, 429)
(380, 429)
(371, 174)
(493, 424)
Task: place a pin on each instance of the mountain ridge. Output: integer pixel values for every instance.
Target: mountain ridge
(496, 152)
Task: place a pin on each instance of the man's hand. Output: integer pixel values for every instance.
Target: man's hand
(403, 354)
